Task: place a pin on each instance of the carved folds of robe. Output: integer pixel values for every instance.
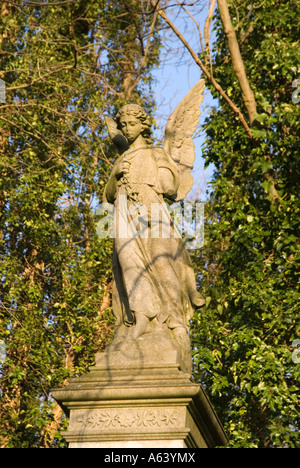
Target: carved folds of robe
(153, 274)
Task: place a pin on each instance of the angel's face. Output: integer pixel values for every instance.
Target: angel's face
(131, 127)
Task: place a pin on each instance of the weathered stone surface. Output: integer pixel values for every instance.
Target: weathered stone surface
(154, 289)
(159, 348)
(154, 404)
(140, 393)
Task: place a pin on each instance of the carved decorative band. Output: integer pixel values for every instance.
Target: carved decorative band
(147, 418)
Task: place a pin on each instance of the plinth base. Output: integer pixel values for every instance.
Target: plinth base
(124, 402)
(129, 444)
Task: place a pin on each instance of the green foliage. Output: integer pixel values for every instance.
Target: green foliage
(250, 262)
(64, 66)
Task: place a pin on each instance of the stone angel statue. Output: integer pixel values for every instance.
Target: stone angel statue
(154, 292)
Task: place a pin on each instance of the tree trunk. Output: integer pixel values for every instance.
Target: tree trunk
(237, 60)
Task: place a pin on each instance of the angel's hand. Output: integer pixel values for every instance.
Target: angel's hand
(121, 168)
(116, 135)
(168, 182)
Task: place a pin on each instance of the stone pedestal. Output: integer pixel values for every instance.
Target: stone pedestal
(136, 397)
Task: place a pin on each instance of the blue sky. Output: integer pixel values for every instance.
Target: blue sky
(173, 83)
(177, 74)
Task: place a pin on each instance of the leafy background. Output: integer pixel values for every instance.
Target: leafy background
(64, 68)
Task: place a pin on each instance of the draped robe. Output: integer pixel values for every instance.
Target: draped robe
(153, 275)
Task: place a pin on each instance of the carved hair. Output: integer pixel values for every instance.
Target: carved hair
(139, 113)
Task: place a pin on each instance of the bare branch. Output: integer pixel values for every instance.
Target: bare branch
(197, 60)
(196, 23)
(146, 52)
(40, 78)
(207, 33)
(136, 25)
(237, 60)
(27, 2)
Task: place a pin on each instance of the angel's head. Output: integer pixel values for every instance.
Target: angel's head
(133, 121)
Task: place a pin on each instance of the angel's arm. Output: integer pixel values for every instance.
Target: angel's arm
(116, 135)
(110, 189)
(120, 168)
(168, 178)
(120, 141)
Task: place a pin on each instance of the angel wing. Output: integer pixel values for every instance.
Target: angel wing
(116, 135)
(179, 131)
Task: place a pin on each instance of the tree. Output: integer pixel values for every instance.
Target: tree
(64, 65)
(249, 266)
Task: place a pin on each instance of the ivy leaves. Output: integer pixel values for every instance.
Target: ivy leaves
(243, 342)
(64, 66)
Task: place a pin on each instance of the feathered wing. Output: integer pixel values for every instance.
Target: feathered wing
(179, 131)
(116, 135)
